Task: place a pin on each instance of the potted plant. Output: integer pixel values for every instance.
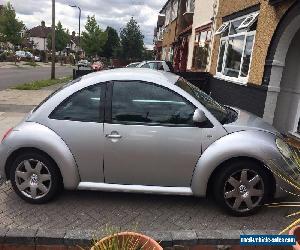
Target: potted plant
(126, 241)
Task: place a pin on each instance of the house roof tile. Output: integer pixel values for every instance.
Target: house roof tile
(40, 31)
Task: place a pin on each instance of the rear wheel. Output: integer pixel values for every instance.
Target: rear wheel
(35, 177)
(242, 187)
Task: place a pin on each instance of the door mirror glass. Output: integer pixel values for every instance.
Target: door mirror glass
(199, 117)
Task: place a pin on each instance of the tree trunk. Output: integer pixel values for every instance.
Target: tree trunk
(61, 58)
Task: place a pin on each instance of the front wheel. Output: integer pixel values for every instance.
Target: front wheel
(242, 187)
(35, 178)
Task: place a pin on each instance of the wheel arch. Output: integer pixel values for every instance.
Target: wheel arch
(27, 137)
(25, 150)
(257, 146)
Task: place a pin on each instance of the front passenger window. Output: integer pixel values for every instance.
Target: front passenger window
(146, 103)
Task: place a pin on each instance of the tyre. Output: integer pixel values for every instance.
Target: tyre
(242, 187)
(35, 177)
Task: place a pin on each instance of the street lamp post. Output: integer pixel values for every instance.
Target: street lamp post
(75, 6)
(53, 41)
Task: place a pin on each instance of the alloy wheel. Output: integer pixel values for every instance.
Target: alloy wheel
(244, 190)
(33, 178)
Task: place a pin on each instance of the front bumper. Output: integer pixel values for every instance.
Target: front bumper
(287, 176)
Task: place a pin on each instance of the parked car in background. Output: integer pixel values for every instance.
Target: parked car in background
(26, 55)
(21, 54)
(157, 65)
(29, 55)
(37, 58)
(83, 63)
(146, 131)
(97, 66)
(133, 65)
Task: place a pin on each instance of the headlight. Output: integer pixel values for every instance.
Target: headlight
(284, 148)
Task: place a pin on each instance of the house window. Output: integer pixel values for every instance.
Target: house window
(236, 44)
(174, 10)
(202, 49)
(171, 12)
(190, 6)
(168, 14)
(164, 53)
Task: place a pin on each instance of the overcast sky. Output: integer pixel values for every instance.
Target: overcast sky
(115, 13)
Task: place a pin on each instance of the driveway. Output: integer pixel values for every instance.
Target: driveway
(10, 77)
(88, 210)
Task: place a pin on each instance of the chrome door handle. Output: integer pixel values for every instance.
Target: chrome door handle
(113, 136)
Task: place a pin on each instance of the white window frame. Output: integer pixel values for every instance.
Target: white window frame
(239, 79)
(222, 28)
(253, 17)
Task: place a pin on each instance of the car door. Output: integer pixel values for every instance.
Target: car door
(79, 122)
(150, 136)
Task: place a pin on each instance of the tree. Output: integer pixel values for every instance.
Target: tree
(112, 44)
(10, 26)
(132, 41)
(62, 38)
(93, 39)
(148, 55)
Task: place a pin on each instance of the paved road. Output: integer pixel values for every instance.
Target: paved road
(87, 210)
(14, 76)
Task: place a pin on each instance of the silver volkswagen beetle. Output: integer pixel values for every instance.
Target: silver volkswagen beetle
(139, 130)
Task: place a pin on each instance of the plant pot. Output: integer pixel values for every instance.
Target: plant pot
(296, 231)
(138, 240)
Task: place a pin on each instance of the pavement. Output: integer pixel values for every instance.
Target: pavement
(11, 76)
(87, 210)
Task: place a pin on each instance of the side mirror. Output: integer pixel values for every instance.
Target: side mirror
(199, 117)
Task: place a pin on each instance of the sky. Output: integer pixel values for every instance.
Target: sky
(114, 13)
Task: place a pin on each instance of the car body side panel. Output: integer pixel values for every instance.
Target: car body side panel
(34, 135)
(254, 144)
(152, 155)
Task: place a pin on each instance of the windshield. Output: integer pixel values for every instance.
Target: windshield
(216, 109)
(132, 65)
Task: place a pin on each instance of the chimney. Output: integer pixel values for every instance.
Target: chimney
(43, 24)
(73, 34)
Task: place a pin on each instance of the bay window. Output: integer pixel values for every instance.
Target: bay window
(236, 45)
(201, 52)
(190, 6)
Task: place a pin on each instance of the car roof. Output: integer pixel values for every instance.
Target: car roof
(161, 78)
(133, 74)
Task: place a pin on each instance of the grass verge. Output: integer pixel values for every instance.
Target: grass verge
(36, 85)
(32, 64)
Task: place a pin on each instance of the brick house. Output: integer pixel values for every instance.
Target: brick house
(183, 34)
(168, 14)
(73, 44)
(253, 53)
(39, 36)
(255, 59)
(158, 37)
(201, 37)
